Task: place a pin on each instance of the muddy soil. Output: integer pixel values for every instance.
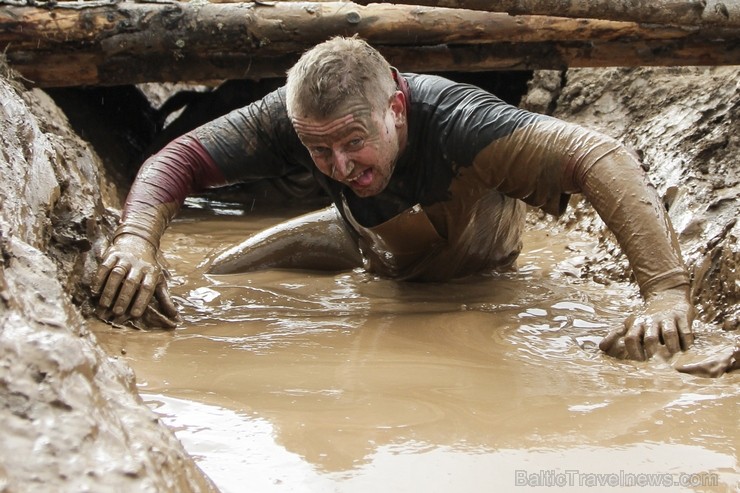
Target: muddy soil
(70, 415)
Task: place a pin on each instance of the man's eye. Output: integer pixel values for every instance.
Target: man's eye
(356, 143)
(319, 151)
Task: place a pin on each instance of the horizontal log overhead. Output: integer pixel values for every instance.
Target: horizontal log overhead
(74, 70)
(129, 26)
(103, 43)
(669, 12)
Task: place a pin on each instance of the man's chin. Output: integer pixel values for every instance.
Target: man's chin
(365, 192)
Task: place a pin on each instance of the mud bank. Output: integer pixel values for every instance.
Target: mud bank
(70, 415)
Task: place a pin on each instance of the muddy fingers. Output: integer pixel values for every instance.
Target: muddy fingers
(685, 334)
(670, 336)
(165, 301)
(115, 277)
(651, 340)
(144, 295)
(665, 320)
(613, 343)
(129, 286)
(633, 340)
(130, 276)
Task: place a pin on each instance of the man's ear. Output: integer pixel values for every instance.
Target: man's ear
(398, 106)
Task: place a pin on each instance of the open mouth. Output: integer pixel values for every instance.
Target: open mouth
(363, 179)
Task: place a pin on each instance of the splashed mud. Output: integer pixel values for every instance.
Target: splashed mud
(304, 381)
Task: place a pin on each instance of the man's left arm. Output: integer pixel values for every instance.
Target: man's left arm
(545, 160)
(629, 205)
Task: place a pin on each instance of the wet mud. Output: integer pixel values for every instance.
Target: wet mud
(70, 417)
(302, 381)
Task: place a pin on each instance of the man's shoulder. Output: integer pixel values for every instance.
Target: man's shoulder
(430, 85)
(273, 100)
(445, 96)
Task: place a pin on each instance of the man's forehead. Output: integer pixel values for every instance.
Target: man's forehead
(320, 128)
(353, 118)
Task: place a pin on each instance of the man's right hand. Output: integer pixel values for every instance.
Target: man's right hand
(129, 276)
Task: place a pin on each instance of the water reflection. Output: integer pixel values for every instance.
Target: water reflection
(240, 449)
(344, 382)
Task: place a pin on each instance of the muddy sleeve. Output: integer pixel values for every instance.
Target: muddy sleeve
(619, 190)
(544, 162)
(250, 143)
(255, 142)
(537, 161)
(163, 183)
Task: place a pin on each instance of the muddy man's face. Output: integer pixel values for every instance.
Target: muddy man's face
(359, 145)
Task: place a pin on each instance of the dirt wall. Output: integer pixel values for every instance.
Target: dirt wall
(70, 416)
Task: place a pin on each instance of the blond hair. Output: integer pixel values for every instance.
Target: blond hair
(335, 71)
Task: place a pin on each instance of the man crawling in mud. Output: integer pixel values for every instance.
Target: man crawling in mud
(429, 179)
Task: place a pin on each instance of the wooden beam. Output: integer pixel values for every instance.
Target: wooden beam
(59, 70)
(695, 13)
(103, 43)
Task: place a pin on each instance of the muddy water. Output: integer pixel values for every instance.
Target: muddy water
(297, 381)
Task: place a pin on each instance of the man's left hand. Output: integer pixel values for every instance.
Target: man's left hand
(665, 321)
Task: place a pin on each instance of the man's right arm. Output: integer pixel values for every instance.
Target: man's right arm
(250, 143)
(130, 273)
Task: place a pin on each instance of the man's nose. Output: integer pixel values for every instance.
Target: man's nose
(342, 166)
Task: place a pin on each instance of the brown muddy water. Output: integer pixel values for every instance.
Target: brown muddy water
(320, 382)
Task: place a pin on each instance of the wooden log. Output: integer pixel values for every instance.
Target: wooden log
(102, 43)
(287, 26)
(697, 13)
(59, 70)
